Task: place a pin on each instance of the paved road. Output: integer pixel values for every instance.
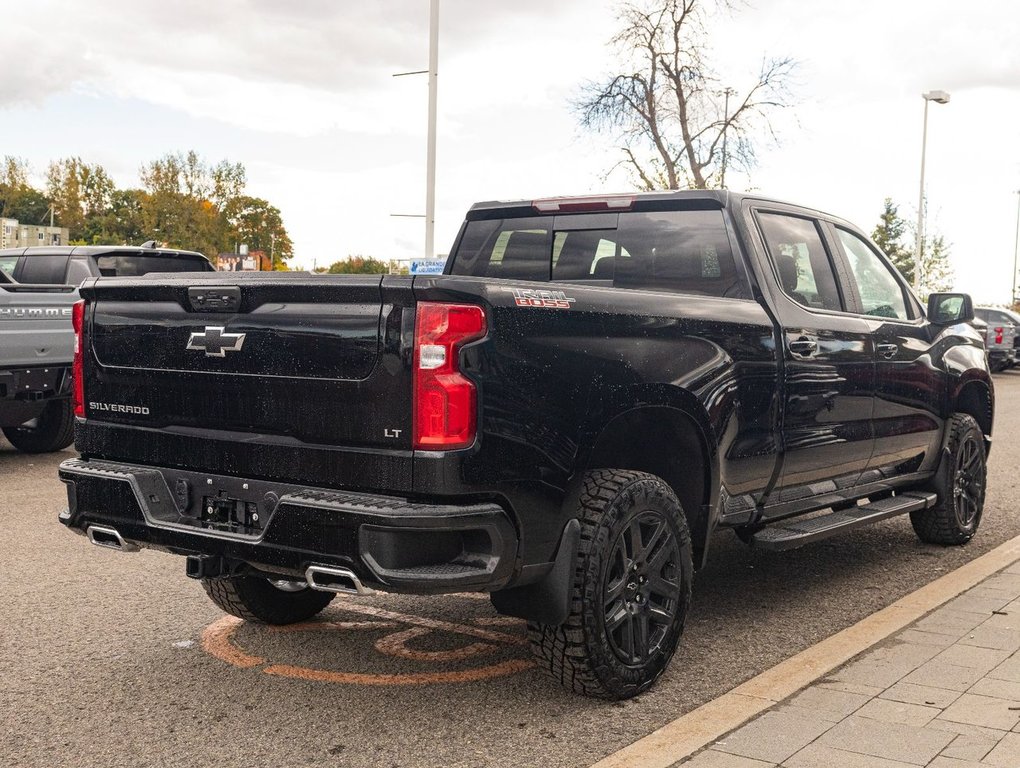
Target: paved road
(109, 659)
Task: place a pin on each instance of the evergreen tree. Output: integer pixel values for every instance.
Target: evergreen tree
(888, 235)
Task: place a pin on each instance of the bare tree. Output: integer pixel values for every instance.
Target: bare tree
(676, 123)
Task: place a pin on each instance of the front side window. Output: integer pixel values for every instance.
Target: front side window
(7, 265)
(801, 261)
(880, 292)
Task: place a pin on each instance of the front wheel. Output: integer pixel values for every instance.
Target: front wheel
(265, 600)
(960, 485)
(631, 588)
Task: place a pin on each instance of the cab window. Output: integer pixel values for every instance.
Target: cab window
(881, 294)
(800, 260)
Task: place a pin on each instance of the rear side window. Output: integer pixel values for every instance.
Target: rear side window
(43, 270)
(675, 251)
(132, 265)
(801, 260)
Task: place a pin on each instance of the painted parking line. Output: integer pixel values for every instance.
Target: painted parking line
(218, 640)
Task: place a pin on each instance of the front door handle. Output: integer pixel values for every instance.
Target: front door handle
(887, 350)
(804, 347)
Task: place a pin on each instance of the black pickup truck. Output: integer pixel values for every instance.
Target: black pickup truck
(563, 419)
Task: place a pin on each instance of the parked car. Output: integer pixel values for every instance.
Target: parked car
(70, 264)
(38, 287)
(562, 419)
(1003, 336)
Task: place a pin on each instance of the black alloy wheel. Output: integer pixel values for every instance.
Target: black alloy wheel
(959, 483)
(642, 588)
(630, 591)
(968, 482)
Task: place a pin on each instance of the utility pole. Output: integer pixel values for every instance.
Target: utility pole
(726, 124)
(430, 152)
(939, 97)
(1016, 242)
(430, 181)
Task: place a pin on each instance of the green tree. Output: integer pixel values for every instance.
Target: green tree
(937, 275)
(888, 235)
(124, 221)
(258, 224)
(79, 191)
(675, 123)
(359, 265)
(18, 199)
(186, 198)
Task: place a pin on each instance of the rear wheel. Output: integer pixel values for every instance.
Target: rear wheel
(631, 589)
(270, 601)
(51, 430)
(960, 485)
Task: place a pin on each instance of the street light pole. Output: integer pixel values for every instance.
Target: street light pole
(939, 97)
(430, 181)
(1016, 242)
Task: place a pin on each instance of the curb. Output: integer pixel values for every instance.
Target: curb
(691, 732)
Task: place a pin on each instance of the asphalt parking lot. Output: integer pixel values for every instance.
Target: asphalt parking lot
(110, 659)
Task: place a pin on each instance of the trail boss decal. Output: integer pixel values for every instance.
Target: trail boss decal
(525, 297)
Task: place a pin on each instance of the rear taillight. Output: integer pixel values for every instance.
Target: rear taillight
(998, 335)
(445, 401)
(78, 368)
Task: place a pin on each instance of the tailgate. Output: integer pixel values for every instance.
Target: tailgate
(254, 375)
(35, 325)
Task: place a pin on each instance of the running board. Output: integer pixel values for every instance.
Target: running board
(794, 533)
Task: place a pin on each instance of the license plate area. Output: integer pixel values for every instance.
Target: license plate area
(221, 512)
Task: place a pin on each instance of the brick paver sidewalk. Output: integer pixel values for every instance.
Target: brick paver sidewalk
(945, 693)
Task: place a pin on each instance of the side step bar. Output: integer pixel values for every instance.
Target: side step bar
(340, 580)
(794, 533)
(110, 538)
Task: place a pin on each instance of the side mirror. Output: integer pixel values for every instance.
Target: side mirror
(950, 308)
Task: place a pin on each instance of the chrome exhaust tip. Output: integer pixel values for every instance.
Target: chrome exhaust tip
(343, 581)
(110, 538)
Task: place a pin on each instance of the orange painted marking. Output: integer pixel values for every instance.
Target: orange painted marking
(216, 640)
(309, 626)
(396, 645)
(419, 678)
(421, 621)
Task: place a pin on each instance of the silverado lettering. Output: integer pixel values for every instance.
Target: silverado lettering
(119, 408)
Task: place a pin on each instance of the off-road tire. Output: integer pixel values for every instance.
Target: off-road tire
(254, 598)
(53, 431)
(960, 485)
(581, 653)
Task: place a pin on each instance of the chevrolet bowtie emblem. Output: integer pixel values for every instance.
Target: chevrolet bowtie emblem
(215, 342)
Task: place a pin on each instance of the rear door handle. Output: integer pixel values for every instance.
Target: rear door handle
(887, 350)
(804, 347)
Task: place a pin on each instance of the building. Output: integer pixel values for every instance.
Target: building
(13, 234)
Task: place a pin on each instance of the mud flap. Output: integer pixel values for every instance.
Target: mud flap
(547, 601)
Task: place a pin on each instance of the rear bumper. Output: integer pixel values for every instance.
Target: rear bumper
(24, 392)
(390, 543)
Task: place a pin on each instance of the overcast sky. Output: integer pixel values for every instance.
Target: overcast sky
(302, 94)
